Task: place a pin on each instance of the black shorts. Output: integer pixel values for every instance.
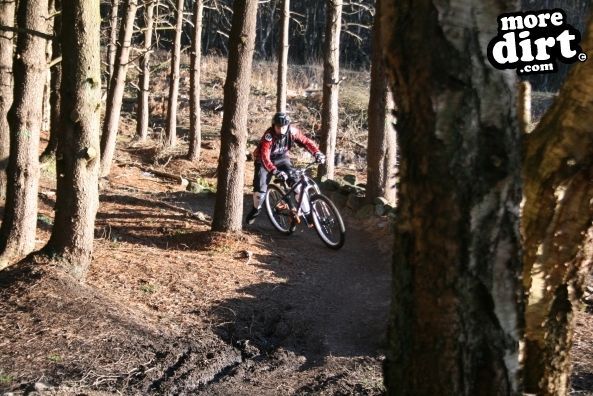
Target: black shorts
(261, 177)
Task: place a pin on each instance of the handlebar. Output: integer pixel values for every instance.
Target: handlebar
(300, 171)
(303, 170)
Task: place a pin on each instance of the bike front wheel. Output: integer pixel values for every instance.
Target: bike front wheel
(278, 210)
(328, 222)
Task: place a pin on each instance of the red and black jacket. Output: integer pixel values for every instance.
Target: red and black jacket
(274, 146)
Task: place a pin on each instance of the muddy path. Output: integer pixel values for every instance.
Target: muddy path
(320, 326)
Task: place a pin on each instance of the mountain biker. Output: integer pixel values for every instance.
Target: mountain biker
(272, 158)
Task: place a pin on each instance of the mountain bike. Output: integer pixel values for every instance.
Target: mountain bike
(284, 206)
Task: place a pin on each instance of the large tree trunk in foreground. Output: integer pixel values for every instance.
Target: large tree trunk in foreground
(77, 195)
(195, 128)
(283, 57)
(381, 147)
(7, 8)
(116, 89)
(171, 130)
(558, 228)
(55, 84)
(331, 80)
(142, 116)
(17, 234)
(456, 315)
(228, 209)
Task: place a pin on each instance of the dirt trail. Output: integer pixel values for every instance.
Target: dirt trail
(343, 295)
(171, 308)
(321, 323)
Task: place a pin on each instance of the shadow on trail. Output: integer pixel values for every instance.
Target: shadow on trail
(157, 221)
(321, 302)
(328, 303)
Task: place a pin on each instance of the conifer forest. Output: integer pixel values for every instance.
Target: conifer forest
(276, 197)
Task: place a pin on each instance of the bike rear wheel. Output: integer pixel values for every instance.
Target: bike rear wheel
(278, 210)
(328, 222)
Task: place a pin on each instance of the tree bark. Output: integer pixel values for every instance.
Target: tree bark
(17, 233)
(283, 57)
(456, 314)
(116, 89)
(112, 46)
(381, 146)
(195, 129)
(7, 8)
(558, 228)
(228, 208)
(46, 110)
(77, 195)
(524, 106)
(171, 130)
(56, 82)
(331, 80)
(143, 117)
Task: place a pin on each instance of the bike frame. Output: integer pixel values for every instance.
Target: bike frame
(306, 183)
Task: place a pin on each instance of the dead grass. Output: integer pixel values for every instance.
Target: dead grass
(304, 103)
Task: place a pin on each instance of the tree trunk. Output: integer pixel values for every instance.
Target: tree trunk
(381, 147)
(46, 111)
(228, 209)
(116, 89)
(195, 129)
(283, 57)
(456, 313)
(266, 29)
(56, 82)
(171, 130)
(524, 106)
(7, 8)
(331, 80)
(142, 118)
(17, 234)
(77, 195)
(112, 46)
(558, 228)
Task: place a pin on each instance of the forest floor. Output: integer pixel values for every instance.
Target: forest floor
(169, 307)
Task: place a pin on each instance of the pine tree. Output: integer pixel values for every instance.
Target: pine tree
(55, 86)
(116, 89)
(381, 147)
(283, 57)
(331, 81)
(17, 233)
(7, 8)
(77, 195)
(195, 132)
(171, 130)
(142, 116)
(228, 209)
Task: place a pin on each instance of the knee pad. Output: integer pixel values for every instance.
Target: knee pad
(258, 199)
